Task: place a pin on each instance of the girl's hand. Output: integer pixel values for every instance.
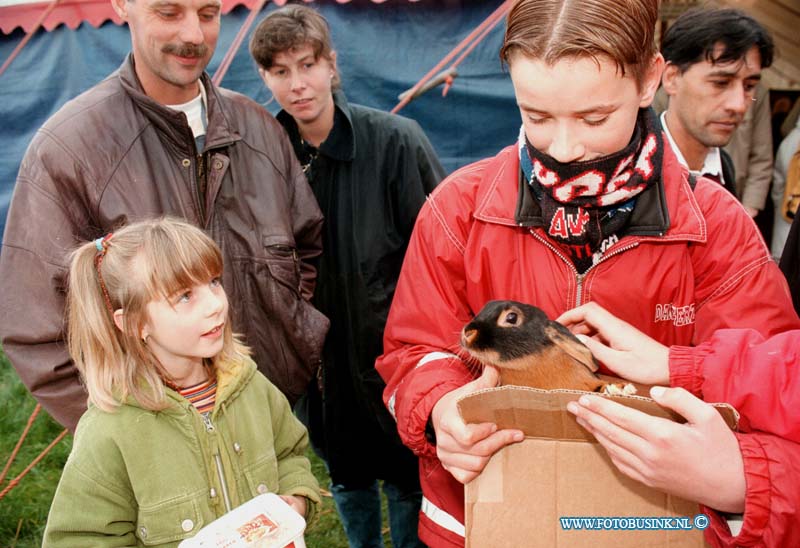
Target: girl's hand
(698, 461)
(621, 347)
(297, 503)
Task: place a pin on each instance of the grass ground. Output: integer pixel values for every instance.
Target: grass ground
(23, 512)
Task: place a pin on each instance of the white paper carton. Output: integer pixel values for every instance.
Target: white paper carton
(264, 522)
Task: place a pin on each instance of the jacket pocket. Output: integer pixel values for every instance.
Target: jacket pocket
(283, 262)
(262, 476)
(170, 521)
(285, 331)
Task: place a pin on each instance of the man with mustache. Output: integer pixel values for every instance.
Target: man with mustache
(158, 138)
(713, 60)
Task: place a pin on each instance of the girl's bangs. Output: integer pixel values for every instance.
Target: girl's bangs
(179, 260)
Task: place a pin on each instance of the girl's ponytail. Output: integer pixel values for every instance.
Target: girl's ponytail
(92, 336)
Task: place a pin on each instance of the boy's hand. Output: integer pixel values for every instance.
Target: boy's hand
(621, 347)
(699, 461)
(465, 449)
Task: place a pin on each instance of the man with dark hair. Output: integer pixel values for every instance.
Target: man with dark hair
(155, 138)
(713, 60)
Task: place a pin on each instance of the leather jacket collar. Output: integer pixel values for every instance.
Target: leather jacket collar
(173, 124)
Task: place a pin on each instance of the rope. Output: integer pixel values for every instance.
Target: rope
(478, 40)
(237, 42)
(28, 36)
(19, 443)
(13, 483)
(476, 35)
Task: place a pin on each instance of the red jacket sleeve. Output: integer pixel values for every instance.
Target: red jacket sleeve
(757, 376)
(420, 362)
(772, 499)
(737, 284)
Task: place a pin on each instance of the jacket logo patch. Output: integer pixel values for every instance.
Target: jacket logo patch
(678, 315)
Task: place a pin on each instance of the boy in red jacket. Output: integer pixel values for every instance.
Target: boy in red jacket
(589, 205)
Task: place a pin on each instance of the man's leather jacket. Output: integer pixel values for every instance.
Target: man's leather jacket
(112, 156)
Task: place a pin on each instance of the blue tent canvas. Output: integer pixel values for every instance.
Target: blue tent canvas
(383, 50)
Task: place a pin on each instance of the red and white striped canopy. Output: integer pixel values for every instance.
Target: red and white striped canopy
(26, 13)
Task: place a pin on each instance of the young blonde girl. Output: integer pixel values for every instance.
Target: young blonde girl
(181, 427)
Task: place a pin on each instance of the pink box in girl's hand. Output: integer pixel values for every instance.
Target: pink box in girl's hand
(264, 522)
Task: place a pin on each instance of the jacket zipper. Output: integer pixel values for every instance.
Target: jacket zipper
(580, 277)
(200, 173)
(218, 461)
(296, 259)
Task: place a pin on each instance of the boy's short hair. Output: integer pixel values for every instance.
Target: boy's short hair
(550, 30)
(291, 27)
(695, 35)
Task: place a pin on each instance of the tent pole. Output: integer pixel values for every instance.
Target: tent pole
(28, 36)
(480, 32)
(237, 42)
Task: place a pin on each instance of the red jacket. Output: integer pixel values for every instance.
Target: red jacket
(679, 274)
(740, 367)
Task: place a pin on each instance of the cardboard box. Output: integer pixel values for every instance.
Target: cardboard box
(560, 470)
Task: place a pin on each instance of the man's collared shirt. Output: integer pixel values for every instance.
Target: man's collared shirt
(712, 165)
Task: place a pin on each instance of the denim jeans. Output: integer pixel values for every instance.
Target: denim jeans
(360, 512)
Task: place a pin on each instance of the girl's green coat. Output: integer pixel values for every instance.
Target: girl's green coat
(153, 478)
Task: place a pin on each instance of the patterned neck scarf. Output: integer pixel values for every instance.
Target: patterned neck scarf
(586, 205)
